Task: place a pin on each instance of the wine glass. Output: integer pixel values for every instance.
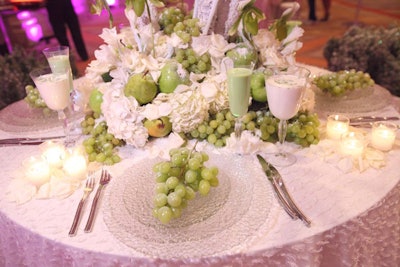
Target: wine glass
(238, 79)
(54, 88)
(58, 59)
(285, 89)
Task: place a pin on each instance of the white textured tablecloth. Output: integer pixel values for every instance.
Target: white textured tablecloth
(355, 221)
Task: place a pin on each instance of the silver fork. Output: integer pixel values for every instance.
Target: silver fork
(104, 180)
(86, 192)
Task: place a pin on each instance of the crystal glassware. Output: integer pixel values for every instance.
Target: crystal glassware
(54, 88)
(285, 89)
(238, 80)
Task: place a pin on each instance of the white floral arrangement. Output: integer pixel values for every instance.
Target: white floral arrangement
(130, 51)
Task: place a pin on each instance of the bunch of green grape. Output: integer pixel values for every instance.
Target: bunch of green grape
(338, 83)
(192, 62)
(187, 28)
(302, 129)
(169, 18)
(179, 179)
(34, 99)
(100, 145)
(216, 129)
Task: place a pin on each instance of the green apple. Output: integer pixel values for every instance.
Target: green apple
(142, 87)
(172, 74)
(257, 85)
(242, 55)
(159, 127)
(95, 100)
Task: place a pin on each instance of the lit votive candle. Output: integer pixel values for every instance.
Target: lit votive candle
(336, 126)
(75, 165)
(383, 135)
(53, 153)
(352, 144)
(37, 171)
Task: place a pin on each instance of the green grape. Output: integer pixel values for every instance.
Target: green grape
(164, 214)
(160, 200)
(174, 200)
(172, 182)
(204, 187)
(161, 188)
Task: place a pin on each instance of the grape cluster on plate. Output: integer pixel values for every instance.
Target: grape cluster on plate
(179, 179)
(302, 129)
(338, 83)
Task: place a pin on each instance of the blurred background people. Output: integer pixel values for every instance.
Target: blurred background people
(62, 15)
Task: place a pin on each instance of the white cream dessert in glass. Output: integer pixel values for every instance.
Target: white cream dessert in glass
(285, 89)
(284, 95)
(54, 89)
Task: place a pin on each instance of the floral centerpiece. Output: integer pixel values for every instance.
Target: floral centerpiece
(165, 72)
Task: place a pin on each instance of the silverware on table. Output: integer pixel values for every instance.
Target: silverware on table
(86, 192)
(369, 119)
(104, 180)
(27, 140)
(286, 206)
(277, 182)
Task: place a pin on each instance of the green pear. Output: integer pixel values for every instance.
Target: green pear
(159, 127)
(142, 87)
(171, 76)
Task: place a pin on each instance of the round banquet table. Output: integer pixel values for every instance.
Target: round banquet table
(355, 216)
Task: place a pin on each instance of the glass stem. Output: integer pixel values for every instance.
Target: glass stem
(282, 130)
(238, 127)
(63, 118)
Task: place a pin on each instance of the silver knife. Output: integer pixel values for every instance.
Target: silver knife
(283, 201)
(277, 178)
(365, 119)
(26, 140)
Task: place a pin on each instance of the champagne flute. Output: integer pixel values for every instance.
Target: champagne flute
(285, 89)
(54, 88)
(238, 79)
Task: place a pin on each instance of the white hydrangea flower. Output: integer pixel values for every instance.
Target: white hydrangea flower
(214, 90)
(189, 109)
(123, 117)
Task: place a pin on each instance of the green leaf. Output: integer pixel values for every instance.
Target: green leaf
(250, 23)
(138, 7)
(233, 30)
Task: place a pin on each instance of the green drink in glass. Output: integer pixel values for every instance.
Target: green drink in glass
(238, 79)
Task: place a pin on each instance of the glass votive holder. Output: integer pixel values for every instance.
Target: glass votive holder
(383, 135)
(75, 164)
(53, 153)
(352, 144)
(36, 170)
(336, 126)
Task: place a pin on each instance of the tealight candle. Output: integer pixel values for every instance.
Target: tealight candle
(53, 153)
(383, 135)
(352, 144)
(37, 171)
(336, 126)
(75, 165)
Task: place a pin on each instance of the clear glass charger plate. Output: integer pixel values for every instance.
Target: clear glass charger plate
(226, 221)
(372, 99)
(20, 117)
